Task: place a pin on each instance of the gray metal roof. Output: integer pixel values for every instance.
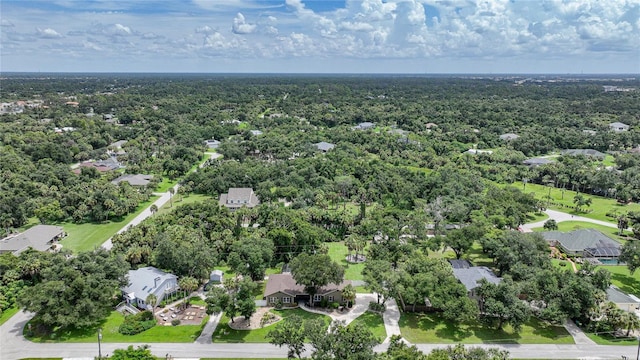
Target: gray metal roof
(146, 281)
(509, 136)
(579, 240)
(615, 295)
(537, 161)
(38, 237)
(469, 277)
(237, 197)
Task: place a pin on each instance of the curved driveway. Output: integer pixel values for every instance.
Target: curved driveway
(560, 216)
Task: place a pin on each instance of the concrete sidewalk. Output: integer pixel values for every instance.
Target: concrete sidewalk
(391, 318)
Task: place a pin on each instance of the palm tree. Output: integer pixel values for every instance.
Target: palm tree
(188, 284)
(153, 300)
(153, 208)
(171, 192)
(349, 294)
(632, 321)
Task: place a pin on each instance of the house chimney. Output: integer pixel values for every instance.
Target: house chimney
(155, 282)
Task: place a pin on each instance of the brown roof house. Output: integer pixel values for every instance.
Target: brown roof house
(282, 289)
(239, 197)
(39, 237)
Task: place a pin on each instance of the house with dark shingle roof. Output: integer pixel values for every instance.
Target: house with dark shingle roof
(239, 197)
(283, 289)
(39, 237)
(509, 136)
(146, 281)
(583, 242)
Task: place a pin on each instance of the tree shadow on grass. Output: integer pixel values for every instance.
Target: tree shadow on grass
(629, 284)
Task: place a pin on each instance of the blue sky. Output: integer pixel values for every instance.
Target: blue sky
(316, 36)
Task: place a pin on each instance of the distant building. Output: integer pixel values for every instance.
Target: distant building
(470, 277)
(324, 146)
(624, 301)
(364, 126)
(255, 132)
(134, 180)
(618, 127)
(476, 152)
(109, 164)
(39, 237)
(584, 152)
(533, 162)
(212, 143)
(509, 136)
(216, 276)
(239, 197)
(584, 242)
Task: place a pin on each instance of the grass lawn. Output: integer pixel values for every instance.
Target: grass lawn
(621, 278)
(87, 236)
(374, 323)
(477, 257)
(535, 217)
(600, 206)
(165, 184)
(110, 334)
(338, 253)
(177, 201)
(225, 334)
(431, 328)
(197, 301)
(604, 339)
(8, 313)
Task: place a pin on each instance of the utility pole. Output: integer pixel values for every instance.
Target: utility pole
(99, 339)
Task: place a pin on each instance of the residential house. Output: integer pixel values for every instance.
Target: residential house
(477, 151)
(459, 264)
(471, 276)
(618, 127)
(584, 152)
(239, 197)
(137, 180)
(109, 164)
(212, 143)
(324, 146)
(216, 275)
(509, 136)
(364, 126)
(535, 162)
(146, 281)
(584, 243)
(255, 132)
(624, 301)
(283, 289)
(116, 148)
(39, 237)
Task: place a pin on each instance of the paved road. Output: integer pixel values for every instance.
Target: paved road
(391, 319)
(560, 216)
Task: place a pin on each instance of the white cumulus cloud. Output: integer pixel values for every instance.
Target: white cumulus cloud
(48, 33)
(240, 25)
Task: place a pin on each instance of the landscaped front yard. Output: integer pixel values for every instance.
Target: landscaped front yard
(432, 328)
(374, 323)
(110, 334)
(226, 334)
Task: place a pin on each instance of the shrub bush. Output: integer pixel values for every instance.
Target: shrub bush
(374, 306)
(135, 324)
(324, 303)
(175, 322)
(335, 305)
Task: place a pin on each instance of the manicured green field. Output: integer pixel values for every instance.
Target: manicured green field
(8, 313)
(477, 257)
(604, 339)
(179, 201)
(621, 278)
(226, 334)
(600, 206)
(165, 184)
(338, 253)
(431, 328)
(374, 323)
(110, 334)
(87, 236)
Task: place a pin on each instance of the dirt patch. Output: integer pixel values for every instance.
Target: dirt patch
(239, 322)
(192, 315)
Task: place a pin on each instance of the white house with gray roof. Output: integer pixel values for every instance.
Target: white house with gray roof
(364, 126)
(509, 136)
(146, 281)
(624, 301)
(133, 179)
(618, 127)
(239, 197)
